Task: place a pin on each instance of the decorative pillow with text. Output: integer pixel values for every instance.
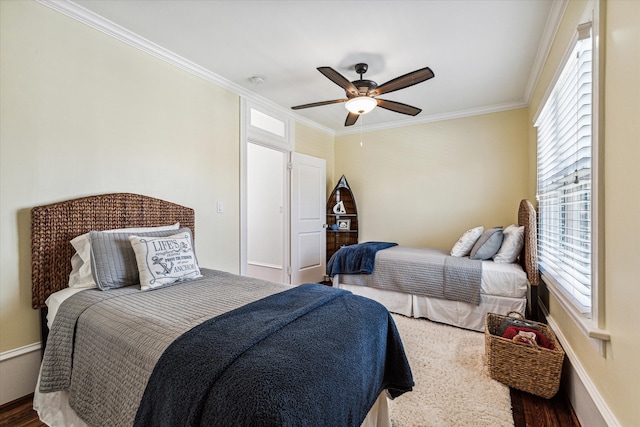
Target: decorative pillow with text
(164, 260)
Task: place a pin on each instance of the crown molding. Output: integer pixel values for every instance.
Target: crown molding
(110, 28)
(93, 20)
(549, 34)
(439, 117)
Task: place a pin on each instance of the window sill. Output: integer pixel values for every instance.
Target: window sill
(597, 336)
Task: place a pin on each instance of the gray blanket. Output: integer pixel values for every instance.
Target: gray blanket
(113, 339)
(120, 334)
(425, 272)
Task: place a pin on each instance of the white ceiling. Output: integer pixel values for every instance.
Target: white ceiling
(485, 54)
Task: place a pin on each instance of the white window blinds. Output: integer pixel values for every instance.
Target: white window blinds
(564, 177)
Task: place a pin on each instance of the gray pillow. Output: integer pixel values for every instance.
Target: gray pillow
(113, 261)
(488, 244)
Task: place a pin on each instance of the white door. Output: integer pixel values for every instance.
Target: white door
(308, 237)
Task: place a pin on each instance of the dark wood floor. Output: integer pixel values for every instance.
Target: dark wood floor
(528, 411)
(19, 413)
(534, 411)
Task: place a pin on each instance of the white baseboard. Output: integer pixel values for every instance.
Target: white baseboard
(587, 402)
(19, 372)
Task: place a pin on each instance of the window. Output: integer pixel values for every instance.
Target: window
(565, 202)
(267, 123)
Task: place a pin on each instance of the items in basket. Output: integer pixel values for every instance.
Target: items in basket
(528, 335)
(517, 322)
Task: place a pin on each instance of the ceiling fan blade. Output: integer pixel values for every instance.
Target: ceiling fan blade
(317, 104)
(398, 107)
(404, 81)
(339, 79)
(351, 119)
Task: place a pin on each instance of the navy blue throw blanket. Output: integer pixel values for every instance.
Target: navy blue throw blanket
(309, 356)
(355, 259)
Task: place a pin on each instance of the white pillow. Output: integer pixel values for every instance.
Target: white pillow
(511, 245)
(81, 277)
(466, 241)
(164, 260)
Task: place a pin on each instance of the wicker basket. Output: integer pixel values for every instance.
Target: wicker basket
(529, 368)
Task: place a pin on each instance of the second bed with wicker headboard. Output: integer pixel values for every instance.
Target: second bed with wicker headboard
(504, 287)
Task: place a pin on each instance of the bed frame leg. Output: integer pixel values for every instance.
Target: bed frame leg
(44, 329)
(534, 313)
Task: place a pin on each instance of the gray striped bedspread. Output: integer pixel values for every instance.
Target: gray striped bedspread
(425, 272)
(114, 338)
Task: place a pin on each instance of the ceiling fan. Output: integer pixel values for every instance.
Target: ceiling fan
(361, 93)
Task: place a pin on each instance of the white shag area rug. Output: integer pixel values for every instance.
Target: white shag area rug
(452, 383)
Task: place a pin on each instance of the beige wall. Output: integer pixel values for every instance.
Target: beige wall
(313, 142)
(83, 113)
(617, 377)
(425, 185)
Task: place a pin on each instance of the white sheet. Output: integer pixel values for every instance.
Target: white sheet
(54, 301)
(503, 280)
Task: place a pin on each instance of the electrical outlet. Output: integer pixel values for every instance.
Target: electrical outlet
(220, 207)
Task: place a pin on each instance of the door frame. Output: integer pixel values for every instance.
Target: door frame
(284, 143)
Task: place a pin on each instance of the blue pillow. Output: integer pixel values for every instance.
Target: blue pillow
(488, 244)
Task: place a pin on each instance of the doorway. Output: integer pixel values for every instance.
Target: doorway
(282, 202)
(266, 213)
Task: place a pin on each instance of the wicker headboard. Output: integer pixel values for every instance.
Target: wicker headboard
(529, 256)
(53, 226)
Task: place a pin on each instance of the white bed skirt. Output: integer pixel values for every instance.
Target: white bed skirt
(461, 314)
(54, 410)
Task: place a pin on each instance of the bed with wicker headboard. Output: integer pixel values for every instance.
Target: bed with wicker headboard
(504, 285)
(114, 340)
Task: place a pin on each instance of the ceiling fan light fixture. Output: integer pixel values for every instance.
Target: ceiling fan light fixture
(361, 104)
